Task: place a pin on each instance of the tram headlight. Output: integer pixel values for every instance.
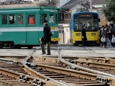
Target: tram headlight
(93, 34)
(77, 34)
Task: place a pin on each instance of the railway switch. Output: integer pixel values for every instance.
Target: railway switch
(73, 67)
(47, 79)
(102, 79)
(37, 82)
(31, 65)
(23, 78)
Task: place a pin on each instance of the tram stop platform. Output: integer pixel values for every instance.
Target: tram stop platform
(64, 51)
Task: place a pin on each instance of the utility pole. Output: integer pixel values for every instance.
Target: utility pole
(81, 5)
(90, 5)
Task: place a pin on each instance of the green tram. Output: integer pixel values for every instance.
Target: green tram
(21, 25)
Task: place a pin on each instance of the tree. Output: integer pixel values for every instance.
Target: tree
(109, 10)
(103, 20)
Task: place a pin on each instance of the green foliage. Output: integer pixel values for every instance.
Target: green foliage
(109, 10)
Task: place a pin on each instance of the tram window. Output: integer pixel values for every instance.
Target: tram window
(51, 18)
(4, 19)
(12, 19)
(20, 19)
(91, 24)
(61, 17)
(43, 17)
(95, 16)
(76, 24)
(56, 18)
(66, 16)
(31, 19)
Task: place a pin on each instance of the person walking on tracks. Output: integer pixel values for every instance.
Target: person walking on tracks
(46, 38)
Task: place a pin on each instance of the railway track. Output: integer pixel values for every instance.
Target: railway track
(16, 73)
(47, 65)
(53, 68)
(100, 64)
(8, 80)
(54, 71)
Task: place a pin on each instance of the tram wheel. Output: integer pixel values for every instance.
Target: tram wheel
(75, 44)
(18, 47)
(1, 47)
(30, 47)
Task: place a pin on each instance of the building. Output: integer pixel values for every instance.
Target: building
(62, 2)
(98, 4)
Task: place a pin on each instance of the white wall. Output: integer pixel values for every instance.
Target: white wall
(65, 36)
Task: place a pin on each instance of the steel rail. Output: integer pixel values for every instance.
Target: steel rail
(98, 64)
(25, 61)
(45, 67)
(83, 68)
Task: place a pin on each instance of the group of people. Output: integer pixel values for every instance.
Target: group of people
(107, 36)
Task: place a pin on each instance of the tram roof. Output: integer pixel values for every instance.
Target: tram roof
(84, 12)
(25, 6)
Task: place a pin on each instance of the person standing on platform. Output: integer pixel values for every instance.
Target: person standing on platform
(46, 38)
(104, 37)
(84, 38)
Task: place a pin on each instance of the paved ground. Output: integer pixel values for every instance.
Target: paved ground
(65, 51)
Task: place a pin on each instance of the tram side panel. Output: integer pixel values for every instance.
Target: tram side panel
(21, 31)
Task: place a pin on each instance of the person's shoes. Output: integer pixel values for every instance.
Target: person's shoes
(105, 46)
(83, 46)
(48, 54)
(101, 45)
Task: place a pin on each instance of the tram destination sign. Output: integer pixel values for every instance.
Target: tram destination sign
(85, 15)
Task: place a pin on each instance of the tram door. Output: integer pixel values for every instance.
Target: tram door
(31, 29)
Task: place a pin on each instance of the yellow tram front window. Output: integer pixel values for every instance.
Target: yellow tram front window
(89, 20)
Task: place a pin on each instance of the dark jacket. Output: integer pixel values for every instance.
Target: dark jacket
(113, 31)
(46, 31)
(104, 33)
(109, 34)
(84, 34)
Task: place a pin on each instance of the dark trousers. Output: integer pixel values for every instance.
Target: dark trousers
(104, 43)
(83, 42)
(113, 44)
(43, 48)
